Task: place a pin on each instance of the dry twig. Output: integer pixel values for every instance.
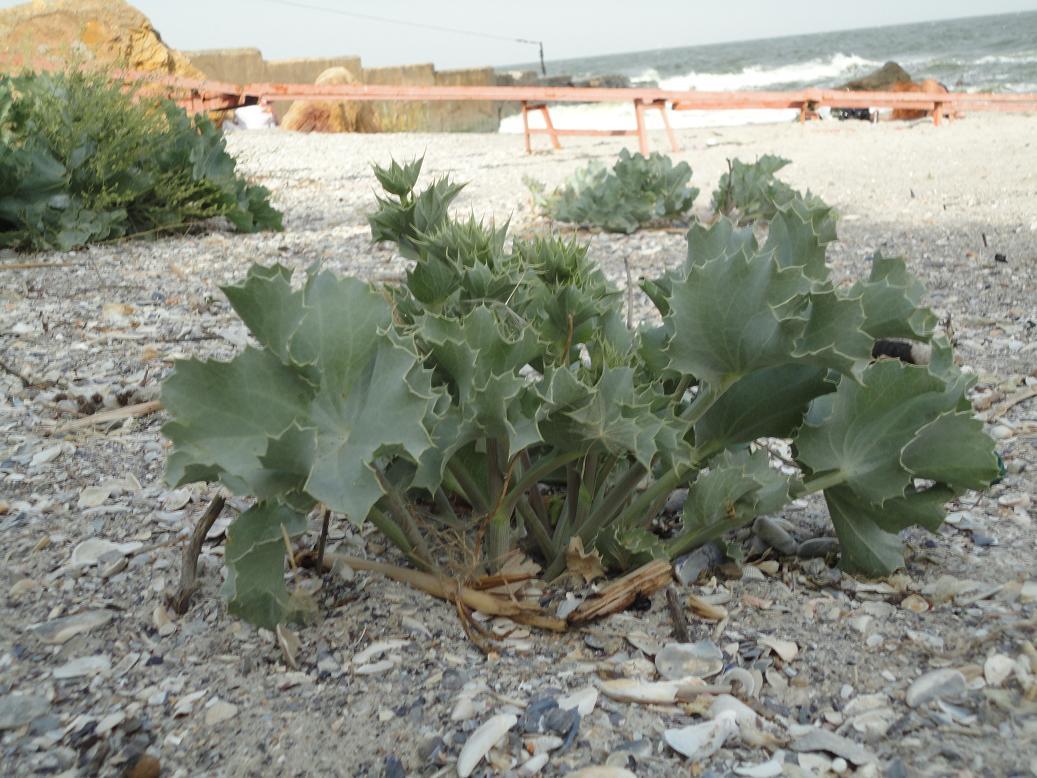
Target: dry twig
(180, 601)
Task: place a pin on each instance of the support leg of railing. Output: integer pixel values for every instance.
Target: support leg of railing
(525, 126)
(803, 112)
(937, 110)
(642, 136)
(661, 105)
(550, 127)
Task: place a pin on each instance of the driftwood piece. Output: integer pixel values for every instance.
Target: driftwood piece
(180, 601)
(677, 617)
(620, 593)
(105, 417)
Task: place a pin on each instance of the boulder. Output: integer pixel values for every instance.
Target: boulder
(326, 115)
(880, 80)
(928, 86)
(110, 33)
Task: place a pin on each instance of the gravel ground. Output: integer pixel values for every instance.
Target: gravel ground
(95, 672)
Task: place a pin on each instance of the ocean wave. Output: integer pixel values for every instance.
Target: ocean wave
(755, 76)
(1022, 58)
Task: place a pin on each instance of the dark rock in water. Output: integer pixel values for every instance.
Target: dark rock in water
(879, 80)
(604, 82)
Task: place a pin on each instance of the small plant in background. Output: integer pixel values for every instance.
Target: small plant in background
(497, 398)
(637, 190)
(749, 192)
(81, 161)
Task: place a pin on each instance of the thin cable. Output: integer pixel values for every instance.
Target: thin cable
(420, 25)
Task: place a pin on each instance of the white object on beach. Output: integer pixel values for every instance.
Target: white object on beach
(251, 117)
(482, 740)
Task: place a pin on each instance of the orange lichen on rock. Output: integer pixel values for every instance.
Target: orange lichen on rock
(928, 86)
(109, 33)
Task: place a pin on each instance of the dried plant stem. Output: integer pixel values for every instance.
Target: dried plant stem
(189, 567)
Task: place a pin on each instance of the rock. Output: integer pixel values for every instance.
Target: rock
(774, 535)
(83, 666)
(689, 567)
(92, 550)
(60, 630)
(937, 684)
(328, 116)
(879, 80)
(482, 740)
(146, 766)
(106, 32)
(928, 86)
(816, 548)
(823, 740)
(680, 660)
(17, 710)
(219, 711)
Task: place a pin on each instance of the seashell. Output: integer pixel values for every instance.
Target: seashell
(997, 668)
(680, 660)
(533, 765)
(583, 700)
(933, 685)
(769, 769)
(742, 678)
(786, 649)
(700, 741)
(377, 649)
(482, 740)
(646, 692)
(726, 705)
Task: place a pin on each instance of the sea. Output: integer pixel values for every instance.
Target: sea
(977, 54)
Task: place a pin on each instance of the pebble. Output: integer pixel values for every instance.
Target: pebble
(83, 666)
(91, 551)
(823, 740)
(815, 548)
(775, 536)
(604, 771)
(17, 710)
(936, 684)
(997, 668)
(63, 629)
(218, 711)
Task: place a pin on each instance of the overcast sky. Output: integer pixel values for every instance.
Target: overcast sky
(568, 28)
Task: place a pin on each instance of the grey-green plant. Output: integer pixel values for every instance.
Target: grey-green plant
(749, 192)
(638, 190)
(83, 161)
(498, 395)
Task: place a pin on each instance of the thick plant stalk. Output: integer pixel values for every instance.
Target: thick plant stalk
(405, 518)
(189, 567)
(536, 528)
(469, 487)
(452, 590)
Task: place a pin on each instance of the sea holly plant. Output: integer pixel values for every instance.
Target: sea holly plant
(637, 190)
(498, 395)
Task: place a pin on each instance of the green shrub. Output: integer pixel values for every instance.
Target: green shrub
(749, 192)
(81, 161)
(638, 190)
(498, 393)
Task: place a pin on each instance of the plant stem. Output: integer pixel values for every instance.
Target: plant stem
(704, 400)
(632, 516)
(612, 504)
(448, 514)
(819, 482)
(572, 492)
(472, 493)
(534, 475)
(494, 477)
(405, 519)
(533, 495)
(536, 528)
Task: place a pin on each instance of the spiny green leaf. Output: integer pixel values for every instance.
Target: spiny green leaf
(864, 546)
(766, 403)
(225, 412)
(268, 306)
(255, 555)
(953, 449)
(892, 300)
(376, 412)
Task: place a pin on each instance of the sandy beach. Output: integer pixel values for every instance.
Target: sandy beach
(208, 695)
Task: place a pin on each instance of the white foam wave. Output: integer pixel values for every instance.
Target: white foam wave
(1026, 58)
(755, 77)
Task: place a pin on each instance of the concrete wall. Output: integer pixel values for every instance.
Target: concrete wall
(242, 66)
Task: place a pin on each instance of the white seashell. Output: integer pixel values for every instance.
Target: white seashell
(583, 700)
(466, 708)
(769, 769)
(482, 740)
(786, 649)
(997, 668)
(700, 741)
(93, 496)
(646, 692)
(90, 551)
(742, 678)
(375, 668)
(377, 649)
(725, 704)
(533, 765)
(680, 660)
